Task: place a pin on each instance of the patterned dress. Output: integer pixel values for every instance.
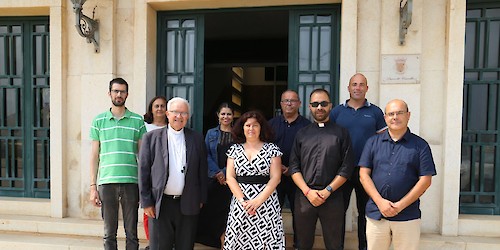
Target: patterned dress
(264, 230)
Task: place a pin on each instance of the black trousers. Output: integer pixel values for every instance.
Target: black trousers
(361, 200)
(172, 228)
(287, 189)
(331, 216)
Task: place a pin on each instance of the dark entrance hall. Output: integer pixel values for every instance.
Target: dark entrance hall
(246, 56)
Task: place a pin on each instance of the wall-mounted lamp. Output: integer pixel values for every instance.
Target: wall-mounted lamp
(405, 12)
(87, 27)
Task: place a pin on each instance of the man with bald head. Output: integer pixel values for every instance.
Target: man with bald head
(363, 120)
(396, 168)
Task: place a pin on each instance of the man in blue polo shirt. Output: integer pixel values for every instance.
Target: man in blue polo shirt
(363, 120)
(396, 168)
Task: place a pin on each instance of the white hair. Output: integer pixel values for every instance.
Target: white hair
(178, 99)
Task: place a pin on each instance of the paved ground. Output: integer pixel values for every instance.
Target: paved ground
(196, 247)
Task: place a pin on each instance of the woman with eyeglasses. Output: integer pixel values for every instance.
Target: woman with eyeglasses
(154, 118)
(253, 172)
(213, 215)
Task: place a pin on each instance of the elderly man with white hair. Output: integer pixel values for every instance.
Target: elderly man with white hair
(172, 179)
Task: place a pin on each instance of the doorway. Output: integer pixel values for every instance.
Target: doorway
(246, 61)
(209, 56)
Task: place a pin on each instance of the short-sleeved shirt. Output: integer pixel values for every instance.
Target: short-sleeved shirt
(362, 123)
(284, 134)
(118, 146)
(395, 169)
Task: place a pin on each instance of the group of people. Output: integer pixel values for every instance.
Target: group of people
(227, 190)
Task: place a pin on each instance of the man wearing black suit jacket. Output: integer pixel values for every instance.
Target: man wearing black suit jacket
(173, 179)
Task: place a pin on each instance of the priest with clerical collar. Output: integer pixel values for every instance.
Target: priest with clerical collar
(320, 163)
(173, 179)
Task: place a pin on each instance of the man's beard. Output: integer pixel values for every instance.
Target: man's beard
(118, 104)
(320, 117)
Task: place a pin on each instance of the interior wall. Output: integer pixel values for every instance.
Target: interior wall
(236, 39)
(217, 91)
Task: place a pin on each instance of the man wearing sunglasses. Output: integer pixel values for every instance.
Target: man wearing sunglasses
(321, 161)
(363, 120)
(396, 168)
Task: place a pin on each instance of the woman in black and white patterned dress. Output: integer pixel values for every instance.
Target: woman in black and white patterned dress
(253, 172)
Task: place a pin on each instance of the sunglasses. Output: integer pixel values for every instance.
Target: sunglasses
(316, 104)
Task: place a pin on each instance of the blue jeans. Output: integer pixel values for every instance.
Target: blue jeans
(112, 195)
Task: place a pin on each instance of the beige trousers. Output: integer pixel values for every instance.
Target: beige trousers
(404, 235)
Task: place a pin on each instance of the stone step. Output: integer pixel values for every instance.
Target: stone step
(65, 226)
(93, 229)
(436, 241)
(39, 241)
(25, 232)
(43, 241)
(40, 232)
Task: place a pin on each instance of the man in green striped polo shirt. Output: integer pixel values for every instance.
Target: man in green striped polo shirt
(116, 138)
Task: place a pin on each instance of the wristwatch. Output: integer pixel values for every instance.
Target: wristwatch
(329, 188)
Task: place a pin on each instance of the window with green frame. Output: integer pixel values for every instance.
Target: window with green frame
(180, 47)
(25, 107)
(314, 52)
(480, 163)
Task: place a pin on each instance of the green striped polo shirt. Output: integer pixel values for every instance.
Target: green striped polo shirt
(118, 146)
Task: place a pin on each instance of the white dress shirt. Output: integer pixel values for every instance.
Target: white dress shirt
(176, 161)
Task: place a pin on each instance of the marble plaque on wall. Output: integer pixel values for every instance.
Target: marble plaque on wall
(400, 69)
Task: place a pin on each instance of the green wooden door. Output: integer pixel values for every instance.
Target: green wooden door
(480, 165)
(180, 64)
(25, 107)
(314, 52)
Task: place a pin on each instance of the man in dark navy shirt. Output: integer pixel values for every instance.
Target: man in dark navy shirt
(396, 168)
(321, 161)
(285, 128)
(363, 120)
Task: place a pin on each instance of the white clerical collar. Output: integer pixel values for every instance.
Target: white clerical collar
(175, 132)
